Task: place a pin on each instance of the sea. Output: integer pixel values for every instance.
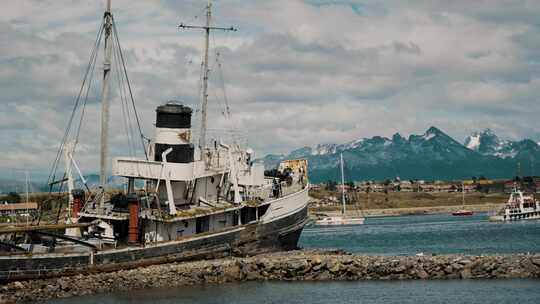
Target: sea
(428, 234)
(402, 235)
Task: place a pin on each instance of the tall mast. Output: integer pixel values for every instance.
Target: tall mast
(206, 28)
(107, 19)
(202, 138)
(342, 185)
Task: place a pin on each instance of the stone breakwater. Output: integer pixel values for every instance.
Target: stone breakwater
(288, 266)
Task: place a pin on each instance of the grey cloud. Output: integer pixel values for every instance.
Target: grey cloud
(296, 74)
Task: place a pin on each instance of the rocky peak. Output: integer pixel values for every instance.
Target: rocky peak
(485, 142)
(398, 139)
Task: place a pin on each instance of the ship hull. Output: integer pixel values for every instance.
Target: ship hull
(276, 231)
(522, 216)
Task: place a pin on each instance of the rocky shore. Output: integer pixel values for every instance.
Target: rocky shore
(287, 266)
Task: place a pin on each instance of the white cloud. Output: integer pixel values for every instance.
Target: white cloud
(297, 73)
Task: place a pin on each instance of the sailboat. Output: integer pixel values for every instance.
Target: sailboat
(342, 219)
(462, 211)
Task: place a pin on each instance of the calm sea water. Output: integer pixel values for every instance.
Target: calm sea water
(464, 291)
(390, 236)
(438, 234)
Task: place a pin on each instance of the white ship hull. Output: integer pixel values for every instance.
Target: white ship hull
(519, 207)
(533, 215)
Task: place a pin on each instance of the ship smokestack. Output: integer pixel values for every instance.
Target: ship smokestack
(133, 226)
(78, 202)
(173, 130)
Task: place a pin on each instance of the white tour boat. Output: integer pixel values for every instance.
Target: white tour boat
(520, 206)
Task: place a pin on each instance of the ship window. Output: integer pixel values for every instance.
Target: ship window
(212, 179)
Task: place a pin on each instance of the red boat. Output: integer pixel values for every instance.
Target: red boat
(462, 212)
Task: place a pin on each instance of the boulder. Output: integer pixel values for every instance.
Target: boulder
(422, 274)
(465, 273)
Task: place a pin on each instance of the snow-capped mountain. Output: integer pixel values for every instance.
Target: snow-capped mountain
(432, 155)
(488, 143)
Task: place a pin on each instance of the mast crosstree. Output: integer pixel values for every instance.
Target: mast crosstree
(207, 28)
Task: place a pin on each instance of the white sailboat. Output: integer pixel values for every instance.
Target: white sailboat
(462, 211)
(343, 219)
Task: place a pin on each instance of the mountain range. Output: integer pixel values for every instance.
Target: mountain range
(430, 156)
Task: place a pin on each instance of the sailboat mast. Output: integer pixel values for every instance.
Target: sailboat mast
(107, 19)
(463, 194)
(342, 185)
(26, 179)
(202, 138)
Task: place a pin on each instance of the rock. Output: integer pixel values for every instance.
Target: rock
(457, 266)
(334, 268)
(289, 266)
(18, 285)
(400, 269)
(422, 274)
(297, 264)
(465, 273)
(232, 272)
(253, 275)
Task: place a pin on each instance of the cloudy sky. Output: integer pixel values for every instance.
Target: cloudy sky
(296, 73)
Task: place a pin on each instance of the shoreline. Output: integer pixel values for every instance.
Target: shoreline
(301, 265)
(385, 212)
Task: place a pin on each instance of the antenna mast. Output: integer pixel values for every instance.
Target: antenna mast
(207, 29)
(107, 19)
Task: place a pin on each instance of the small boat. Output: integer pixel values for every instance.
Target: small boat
(520, 206)
(342, 219)
(462, 211)
(339, 220)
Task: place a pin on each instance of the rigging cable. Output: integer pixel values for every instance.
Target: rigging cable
(123, 103)
(129, 87)
(52, 174)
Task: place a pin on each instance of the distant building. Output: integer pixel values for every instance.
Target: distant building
(467, 188)
(509, 185)
(426, 187)
(316, 186)
(340, 187)
(406, 186)
(18, 209)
